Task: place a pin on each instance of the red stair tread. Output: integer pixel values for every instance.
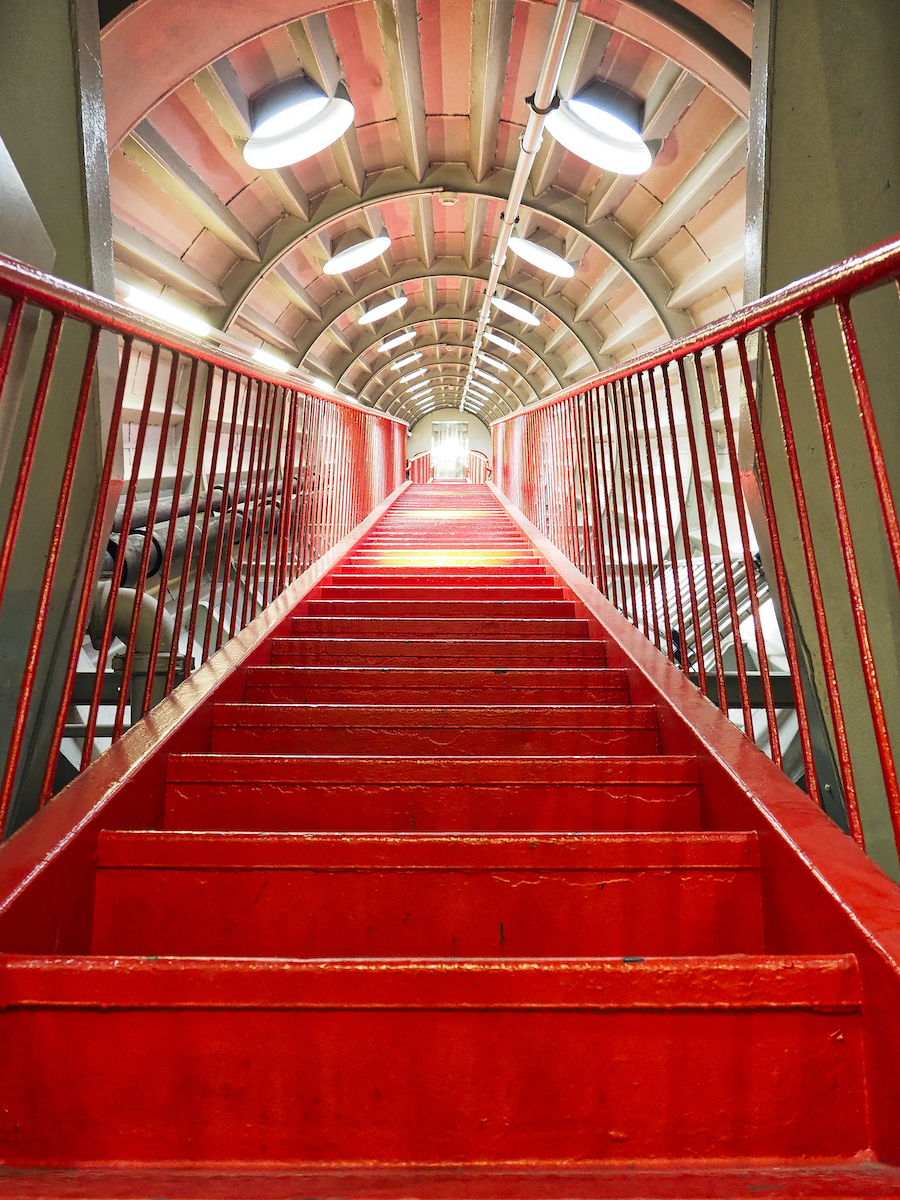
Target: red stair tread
(497, 626)
(392, 651)
(523, 896)
(414, 729)
(443, 606)
(385, 1060)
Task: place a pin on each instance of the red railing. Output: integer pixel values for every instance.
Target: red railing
(647, 478)
(420, 469)
(479, 467)
(234, 482)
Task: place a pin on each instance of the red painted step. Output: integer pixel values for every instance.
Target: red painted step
(435, 685)
(392, 652)
(446, 607)
(382, 594)
(353, 895)
(418, 729)
(412, 627)
(322, 792)
(228, 1061)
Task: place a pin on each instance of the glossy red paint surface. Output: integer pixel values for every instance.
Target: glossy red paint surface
(403, 916)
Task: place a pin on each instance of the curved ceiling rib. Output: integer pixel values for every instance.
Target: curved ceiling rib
(430, 158)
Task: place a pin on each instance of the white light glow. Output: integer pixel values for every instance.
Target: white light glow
(169, 314)
(515, 310)
(271, 360)
(481, 386)
(541, 257)
(356, 256)
(413, 375)
(601, 125)
(296, 120)
(485, 375)
(492, 362)
(406, 360)
(396, 341)
(382, 310)
(501, 342)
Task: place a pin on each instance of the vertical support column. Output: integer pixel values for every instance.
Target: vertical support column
(824, 183)
(52, 122)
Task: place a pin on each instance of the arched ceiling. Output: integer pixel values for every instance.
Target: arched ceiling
(439, 92)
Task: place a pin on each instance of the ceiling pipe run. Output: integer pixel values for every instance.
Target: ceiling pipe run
(544, 100)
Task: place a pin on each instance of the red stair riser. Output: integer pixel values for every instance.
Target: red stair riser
(390, 652)
(294, 897)
(444, 737)
(430, 807)
(412, 627)
(452, 594)
(322, 1063)
(445, 607)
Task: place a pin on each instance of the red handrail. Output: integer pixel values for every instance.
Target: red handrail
(636, 475)
(266, 476)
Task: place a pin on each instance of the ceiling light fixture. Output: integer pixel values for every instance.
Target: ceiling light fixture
(406, 360)
(487, 375)
(481, 386)
(541, 256)
(382, 310)
(502, 342)
(294, 119)
(493, 362)
(602, 124)
(396, 341)
(515, 310)
(169, 314)
(413, 375)
(354, 249)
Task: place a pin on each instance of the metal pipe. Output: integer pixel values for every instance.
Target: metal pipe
(540, 104)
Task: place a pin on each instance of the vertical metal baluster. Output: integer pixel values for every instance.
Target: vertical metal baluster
(854, 584)
(26, 461)
(670, 527)
(270, 589)
(246, 498)
(189, 540)
(629, 523)
(685, 539)
(784, 600)
(648, 587)
(657, 525)
(591, 400)
(845, 765)
(144, 563)
(749, 569)
(707, 556)
(115, 581)
(228, 502)
(93, 559)
(169, 552)
(612, 502)
(730, 590)
(26, 686)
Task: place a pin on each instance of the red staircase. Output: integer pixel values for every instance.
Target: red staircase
(433, 909)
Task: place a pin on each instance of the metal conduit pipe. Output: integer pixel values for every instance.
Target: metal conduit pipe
(544, 100)
(129, 552)
(125, 602)
(141, 511)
